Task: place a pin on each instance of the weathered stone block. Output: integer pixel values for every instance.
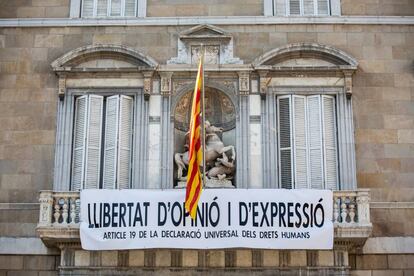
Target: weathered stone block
(387, 273)
(270, 258)
(136, 257)
(190, 258)
(216, 258)
(49, 41)
(163, 257)
(82, 258)
(371, 262)
(401, 261)
(297, 258)
(39, 262)
(325, 258)
(109, 258)
(11, 262)
(244, 258)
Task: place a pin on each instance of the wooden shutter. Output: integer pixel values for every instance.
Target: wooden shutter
(315, 142)
(130, 8)
(309, 7)
(329, 138)
(111, 141)
(280, 7)
(323, 7)
(87, 8)
(300, 142)
(102, 8)
(285, 141)
(125, 141)
(115, 7)
(93, 142)
(294, 7)
(79, 138)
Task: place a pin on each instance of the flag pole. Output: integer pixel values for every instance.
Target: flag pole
(203, 49)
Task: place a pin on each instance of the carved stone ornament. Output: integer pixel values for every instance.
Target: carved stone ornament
(62, 86)
(218, 46)
(244, 83)
(166, 83)
(147, 84)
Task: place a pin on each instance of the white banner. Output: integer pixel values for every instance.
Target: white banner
(252, 218)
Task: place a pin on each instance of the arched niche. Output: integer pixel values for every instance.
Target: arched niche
(221, 111)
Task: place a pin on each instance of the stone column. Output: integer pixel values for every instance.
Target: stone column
(167, 133)
(255, 143)
(269, 135)
(243, 131)
(154, 138)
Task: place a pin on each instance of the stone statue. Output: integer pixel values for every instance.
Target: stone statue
(220, 159)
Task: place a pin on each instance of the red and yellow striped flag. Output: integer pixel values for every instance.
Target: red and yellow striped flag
(194, 184)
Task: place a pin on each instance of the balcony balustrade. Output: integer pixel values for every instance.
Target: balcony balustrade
(59, 217)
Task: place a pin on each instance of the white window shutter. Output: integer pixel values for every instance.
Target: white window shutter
(130, 7)
(323, 7)
(87, 8)
(102, 8)
(285, 141)
(280, 7)
(315, 142)
(111, 142)
(79, 138)
(308, 7)
(294, 7)
(93, 142)
(329, 135)
(125, 141)
(300, 142)
(115, 7)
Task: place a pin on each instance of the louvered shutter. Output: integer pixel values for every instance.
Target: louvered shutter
(294, 7)
(130, 7)
(299, 142)
(285, 141)
(315, 142)
(323, 7)
(280, 7)
(93, 142)
(125, 141)
(102, 8)
(79, 138)
(308, 7)
(115, 7)
(87, 8)
(329, 138)
(111, 141)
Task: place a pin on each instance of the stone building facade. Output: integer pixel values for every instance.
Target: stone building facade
(356, 54)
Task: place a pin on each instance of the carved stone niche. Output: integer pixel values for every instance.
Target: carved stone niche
(218, 46)
(220, 113)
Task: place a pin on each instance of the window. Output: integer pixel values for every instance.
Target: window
(104, 8)
(301, 7)
(102, 142)
(307, 145)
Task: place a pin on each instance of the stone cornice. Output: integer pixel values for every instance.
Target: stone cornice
(217, 20)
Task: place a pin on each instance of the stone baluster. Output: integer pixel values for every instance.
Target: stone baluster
(362, 200)
(344, 211)
(72, 210)
(46, 208)
(65, 210)
(56, 214)
(335, 209)
(352, 210)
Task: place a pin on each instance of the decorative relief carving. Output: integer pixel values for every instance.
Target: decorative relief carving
(219, 46)
(244, 83)
(62, 86)
(212, 54)
(166, 83)
(348, 83)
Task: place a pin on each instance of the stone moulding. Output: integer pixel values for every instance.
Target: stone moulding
(138, 60)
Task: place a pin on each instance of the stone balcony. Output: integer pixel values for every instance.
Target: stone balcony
(59, 218)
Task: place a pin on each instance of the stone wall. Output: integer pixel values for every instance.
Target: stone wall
(383, 104)
(164, 8)
(34, 8)
(29, 265)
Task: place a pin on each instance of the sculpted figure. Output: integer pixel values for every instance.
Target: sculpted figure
(220, 159)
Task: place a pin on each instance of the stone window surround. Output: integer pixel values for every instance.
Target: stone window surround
(269, 10)
(76, 7)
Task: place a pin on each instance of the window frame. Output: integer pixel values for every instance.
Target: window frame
(344, 131)
(65, 133)
(269, 9)
(76, 10)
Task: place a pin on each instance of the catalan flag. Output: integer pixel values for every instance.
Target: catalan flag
(194, 177)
